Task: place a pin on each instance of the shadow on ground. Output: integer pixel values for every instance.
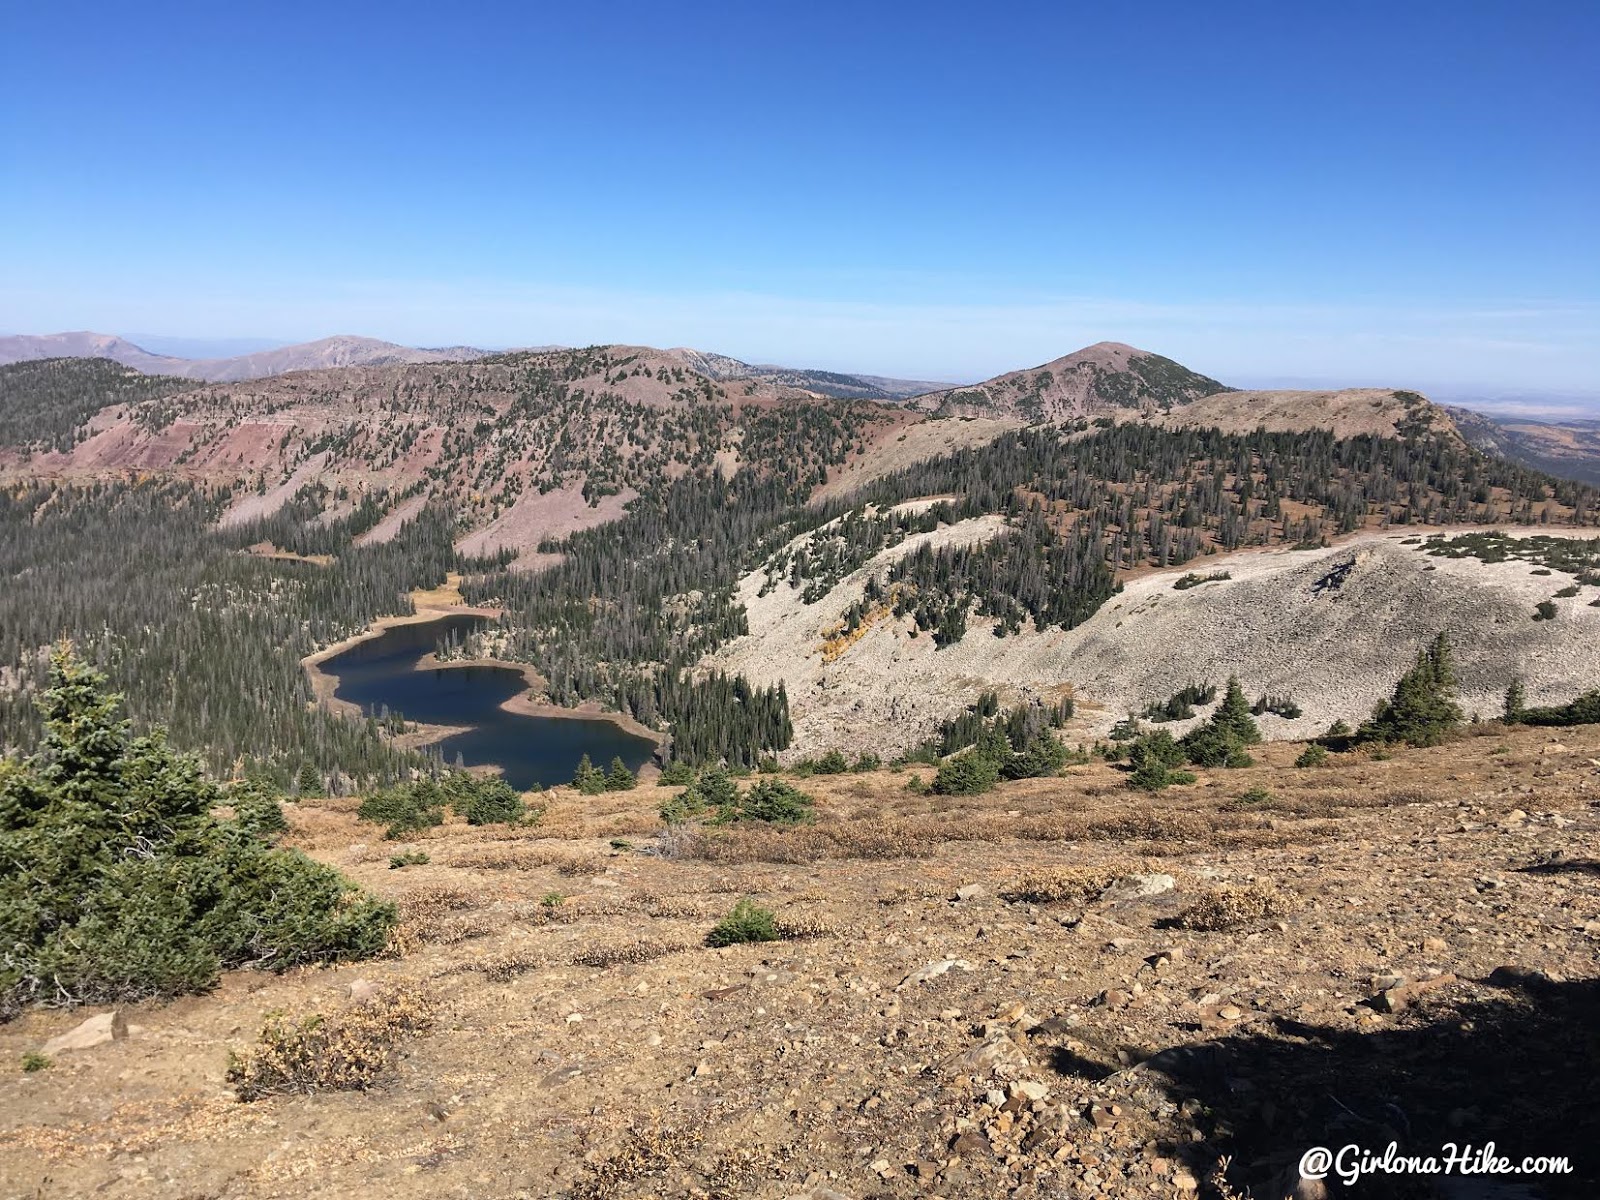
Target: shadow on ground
(1564, 866)
(1514, 1060)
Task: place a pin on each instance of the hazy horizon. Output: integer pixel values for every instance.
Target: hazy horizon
(943, 197)
(1508, 400)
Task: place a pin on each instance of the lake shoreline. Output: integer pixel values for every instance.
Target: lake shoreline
(525, 702)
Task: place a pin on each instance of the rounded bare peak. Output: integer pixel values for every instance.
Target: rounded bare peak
(1109, 355)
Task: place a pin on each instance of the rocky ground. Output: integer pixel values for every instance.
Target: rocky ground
(1333, 628)
(1063, 988)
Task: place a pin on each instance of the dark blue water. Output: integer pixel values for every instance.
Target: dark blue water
(381, 674)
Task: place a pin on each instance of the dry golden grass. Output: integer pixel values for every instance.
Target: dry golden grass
(346, 1052)
(1067, 884)
(647, 1151)
(1232, 905)
(642, 950)
(506, 967)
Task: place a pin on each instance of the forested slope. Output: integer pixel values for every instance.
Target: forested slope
(201, 637)
(674, 489)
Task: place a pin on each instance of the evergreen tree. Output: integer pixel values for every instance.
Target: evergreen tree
(1220, 742)
(1155, 759)
(618, 777)
(588, 779)
(488, 801)
(1423, 708)
(1516, 702)
(775, 802)
(1233, 716)
(308, 782)
(716, 789)
(970, 773)
(122, 884)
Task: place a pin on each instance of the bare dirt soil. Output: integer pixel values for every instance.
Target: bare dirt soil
(1061, 989)
(538, 517)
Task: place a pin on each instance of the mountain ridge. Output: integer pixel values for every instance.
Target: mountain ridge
(1096, 381)
(340, 350)
(351, 350)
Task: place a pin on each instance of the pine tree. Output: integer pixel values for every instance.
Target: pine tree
(1220, 742)
(308, 782)
(618, 777)
(128, 886)
(1516, 702)
(716, 789)
(1233, 715)
(1423, 708)
(588, 778)
(1155, 759)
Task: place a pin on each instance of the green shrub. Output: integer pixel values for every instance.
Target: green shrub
(125, 885)
(1283, 706)
(33, 1061)
(866, 761)
(832, 763)
(970, 773)
(1192, 580)
(1567, 592)
(746, 923)
(405, 807)
(713, 789)
(491, 802)
(256, 807)
(1180, 705)
(1127, 729)
(1220, 742)
(1044, 755)
(1545, 610)
(1314, 755)
(674, 810)
(774, 801)
(1585, 710)
(677, 773)
(1211, 746)
(1155, 759)
(408, 858)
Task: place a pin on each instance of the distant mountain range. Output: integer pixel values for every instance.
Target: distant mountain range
(1569, 448)
(342, 351)
(1107, 379)
(350, 351)
(839, 385)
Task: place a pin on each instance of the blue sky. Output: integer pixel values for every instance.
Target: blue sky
(1355, 193)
